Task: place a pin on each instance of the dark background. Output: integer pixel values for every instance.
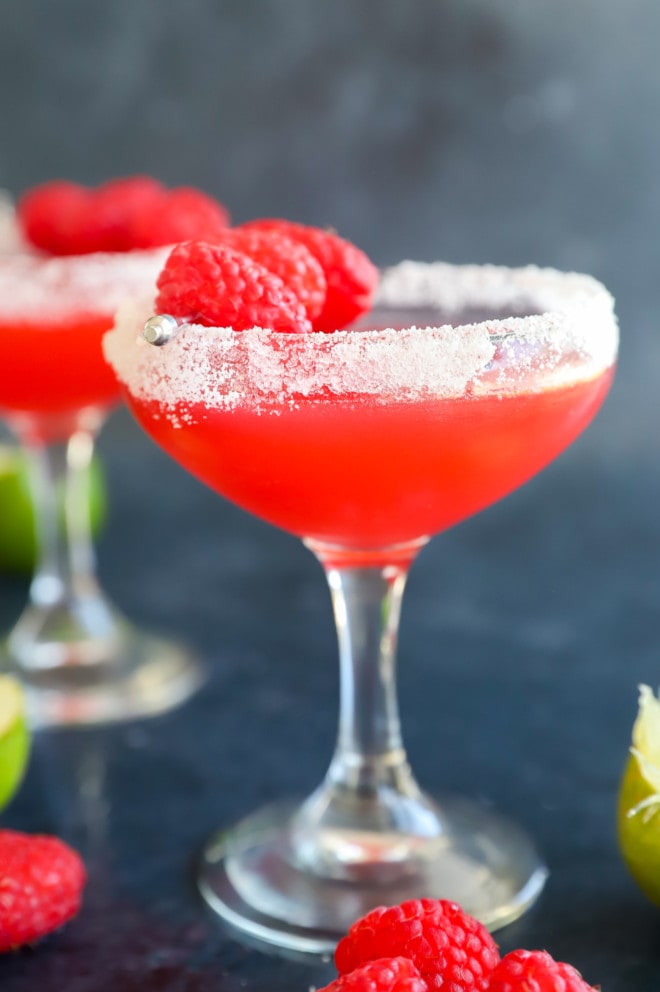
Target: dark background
(508, 131)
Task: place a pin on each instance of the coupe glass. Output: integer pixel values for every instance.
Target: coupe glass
(459, 385)
(79, 660)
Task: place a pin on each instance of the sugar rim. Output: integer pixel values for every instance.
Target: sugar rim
(454, 287)
(573, 315)
(52, 287)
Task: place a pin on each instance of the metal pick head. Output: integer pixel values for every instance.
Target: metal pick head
(160, 329)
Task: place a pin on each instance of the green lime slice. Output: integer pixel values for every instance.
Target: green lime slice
(14, 738)
(639, 798)
(17, 531)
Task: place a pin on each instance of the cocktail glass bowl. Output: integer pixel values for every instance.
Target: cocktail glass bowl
(79, 660)
(461, 384)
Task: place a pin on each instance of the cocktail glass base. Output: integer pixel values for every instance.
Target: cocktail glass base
(252, 878)
(134, 674)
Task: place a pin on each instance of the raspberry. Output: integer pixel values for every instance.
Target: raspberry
(218, 286)
(50, 216)
(352, 278)
(384, 975)
(41, 881)
(129, 192)
(63, 218)
(182, 214)
(535, 971)
(451, 950)
(110, 208)
(290, 260)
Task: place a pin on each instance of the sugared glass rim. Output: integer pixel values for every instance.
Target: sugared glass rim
(537, 294)
(49, 288)
(572, 334)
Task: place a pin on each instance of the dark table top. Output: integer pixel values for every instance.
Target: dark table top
(525, 632)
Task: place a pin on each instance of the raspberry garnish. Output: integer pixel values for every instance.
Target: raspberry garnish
(290, 260)
(218, 286)
(383, 975)
(41, 882)
(106, 221)
(521, 971)
(64, 218)
(51, 217)
(451, 950)
(182, 214)
(351, 277)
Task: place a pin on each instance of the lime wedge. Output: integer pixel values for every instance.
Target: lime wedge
(17, 532)
(14, 738)
(639, 798)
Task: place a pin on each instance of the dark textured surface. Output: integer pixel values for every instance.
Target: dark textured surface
(467, 129)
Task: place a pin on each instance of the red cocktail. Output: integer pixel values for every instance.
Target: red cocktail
(365, 443)
(364, 475)
(69, 256)
(53, 314)
(79, 660)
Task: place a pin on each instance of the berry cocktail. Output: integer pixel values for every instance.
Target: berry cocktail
(53, 315)
(457, 386)
(85, 252)
(351, 473)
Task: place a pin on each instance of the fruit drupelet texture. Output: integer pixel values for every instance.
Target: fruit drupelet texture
(451, 950)
(41, 883)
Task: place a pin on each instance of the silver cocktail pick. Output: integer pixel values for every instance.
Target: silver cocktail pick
(160, 329)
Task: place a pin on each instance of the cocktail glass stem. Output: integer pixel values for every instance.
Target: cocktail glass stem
(67, 621)
(80, 660)
(299, 875)
(369, 815)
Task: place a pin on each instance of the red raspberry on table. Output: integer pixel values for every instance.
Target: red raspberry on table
(535, 971)
(451, 950)
(220, 287)
(290, 260)
(182, 214)
(384, 975)
(351, 277)
(41, 882)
